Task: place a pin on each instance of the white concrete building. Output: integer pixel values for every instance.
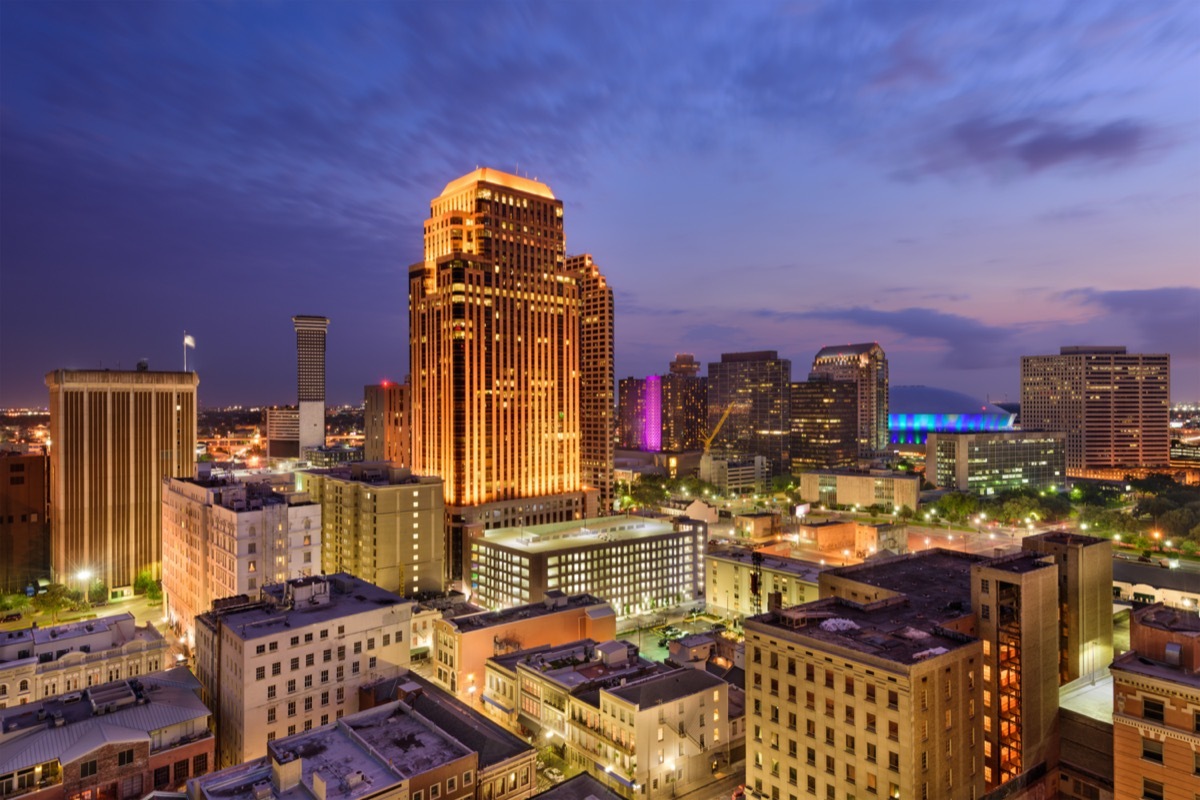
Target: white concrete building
(296, 659)
(36, 663)
(223, 537)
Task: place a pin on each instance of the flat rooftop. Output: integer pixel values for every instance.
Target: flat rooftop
(666, 688)
(99, 635)
(1140, 665)
(1020, 563)
(582, 787)
(347, 596)
(805, 570)
(579, 533)
(1067, 538)
(1092, 699)
(894, 629)
(931, 579)
(490, 619)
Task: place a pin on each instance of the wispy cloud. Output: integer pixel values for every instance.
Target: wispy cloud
(1167, 318)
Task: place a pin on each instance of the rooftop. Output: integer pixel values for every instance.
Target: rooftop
(122, 711)
(1019, 563)
(910, 574)
(834, 351)
(805, 570)
(577, 533)
(893, 629)
(582, 787)
(1066, 538)
(1155, 576)
(87, 636)
(1140, 665)
(301, 603)
(489, 619)
(374, 473)
(658, 689)
(492, 743)
(498, 178)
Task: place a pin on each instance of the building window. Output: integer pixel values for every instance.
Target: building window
(1152, 750)
(87, 769)
(125, 758)
(162, 777)
(181, 771)
(1152, 790)
(1152, 710)
(200, 764)
(260, 673)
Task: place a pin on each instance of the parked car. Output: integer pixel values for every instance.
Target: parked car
(13, 617)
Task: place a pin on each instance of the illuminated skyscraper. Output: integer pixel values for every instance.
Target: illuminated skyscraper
(824, 424)
(310, 378)
(494, 338)
(116, 435)
(1113, 405)
(596, 377)
(867, 365)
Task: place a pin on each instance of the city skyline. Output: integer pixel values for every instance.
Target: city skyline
(1005, 181)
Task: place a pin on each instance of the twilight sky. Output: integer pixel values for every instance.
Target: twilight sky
(961, 182)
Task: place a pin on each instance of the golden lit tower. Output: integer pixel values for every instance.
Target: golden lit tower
(596, 376)
(116, 435)
(494, 329)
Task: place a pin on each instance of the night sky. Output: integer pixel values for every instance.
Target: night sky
(962, 182)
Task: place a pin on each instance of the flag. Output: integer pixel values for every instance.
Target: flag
(189, 341)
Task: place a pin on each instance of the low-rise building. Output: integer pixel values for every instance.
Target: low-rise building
(386, 753)
(861, 488)
(294, 660)
(1156, 706)
(730, 582)
(113, 741)
(1155, 582)
(637, 564)
(986, 462)
(224, 537)
(655, 737)
(464, 643)
(381, 523)
(36, 663)
(24, 519)
(528, 689)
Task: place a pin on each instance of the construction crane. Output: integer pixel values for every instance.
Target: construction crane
(708, 440)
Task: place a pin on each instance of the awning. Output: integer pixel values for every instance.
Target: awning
(497, 704)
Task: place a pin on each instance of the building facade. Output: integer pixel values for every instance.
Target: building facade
(386, 424)
(757, 386)
(863, 489)
(223, 538)
(655, 737)
(36, 662)
(1156, 707)
(684, 410)
(294, 660)
(116, 436)
(824, 424)
(310, 378)
(1114, 406)
(381, 523)
(494, 342)
(597, 379)
(637, 564)
(24, 520)
(283, 433)
(118, 740)
(464, 643)
(742, 583)
(867, 366)
(988, 462)
(1085, 600)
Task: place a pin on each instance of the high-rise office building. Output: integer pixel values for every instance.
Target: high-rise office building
(824, 432)
(685, 364)
(866, 365)
(116, 435)
(282, 424)
(310, 378)
(386, 423)
(631, 414)
(758, 386)
(684, 411)
(494, 337)
(1113, 405)
(596, 377)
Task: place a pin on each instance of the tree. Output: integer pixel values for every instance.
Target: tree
(56, 599)
(957, 506)
(98, 593)
(145, 584)
(13, 602)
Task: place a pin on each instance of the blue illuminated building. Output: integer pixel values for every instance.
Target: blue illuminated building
(917, 411)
